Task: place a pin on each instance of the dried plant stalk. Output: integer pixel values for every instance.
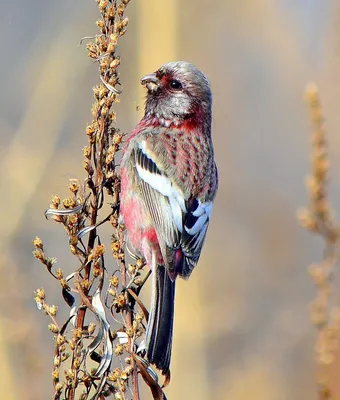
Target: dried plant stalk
(98, 349)
(92, 360)
(317, 218)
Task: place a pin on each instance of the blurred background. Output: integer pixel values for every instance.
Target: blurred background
(242, 327)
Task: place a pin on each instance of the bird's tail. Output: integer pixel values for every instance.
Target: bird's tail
(161, 319)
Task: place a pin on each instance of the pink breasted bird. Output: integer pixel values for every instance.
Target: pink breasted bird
(168, 184)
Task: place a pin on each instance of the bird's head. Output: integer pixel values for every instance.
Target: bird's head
(176, 92)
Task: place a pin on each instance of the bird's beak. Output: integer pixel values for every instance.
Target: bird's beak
(151, 82)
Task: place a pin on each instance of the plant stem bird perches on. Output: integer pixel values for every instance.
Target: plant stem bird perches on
(95, 353)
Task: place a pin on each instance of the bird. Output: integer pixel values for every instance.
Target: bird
(169, 181)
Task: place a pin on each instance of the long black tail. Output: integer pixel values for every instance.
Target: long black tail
(161, 320)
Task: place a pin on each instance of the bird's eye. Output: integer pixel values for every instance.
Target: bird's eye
(174, 84)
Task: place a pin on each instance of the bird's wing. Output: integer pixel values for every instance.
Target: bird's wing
(179, 223)
(195, 225)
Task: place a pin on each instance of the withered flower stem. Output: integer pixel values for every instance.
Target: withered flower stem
(318, 218)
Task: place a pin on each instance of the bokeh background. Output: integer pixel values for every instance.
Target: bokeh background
(242, 327)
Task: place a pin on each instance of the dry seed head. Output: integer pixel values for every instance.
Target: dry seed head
(55, 201)
(72, 220)
(91, 328)
(73, 239)
(112, 150)
(111, 48)
(129, 332)
(59, 273)
(139, 317)
(128, 370)
(117, 138)
(40, 294)
(53, 328)
(97, 252)
(125, 22)
(135, 325)
(69, 202)
(313, 187)
(104, 65)
(90, 129)
(119, 349)
(120, 10)
(97, 269)
(76, 363)
(319, 275)
(117, 372)
(307, 220)
(60, 339)
(74, 185)
(77, 333)
(115, 246)
(112, 116)
(73, 249)
(102, 91)
(127, 360)
(115, 96)
(124, 376)
(69, 374)
(85, 284)
(103, 4)
(114, 221)
(37, 242)
(113, 39)
(121, 300)
(100, 23)
(115, 63)
(102, 45)
(64, 284)
(92, 48)
(55, 374)
(87, 152)
(111, 12)
(39, 255)
(131, 268)
(72, 343)
(111, 377)
(109, 158)
(56, 361)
